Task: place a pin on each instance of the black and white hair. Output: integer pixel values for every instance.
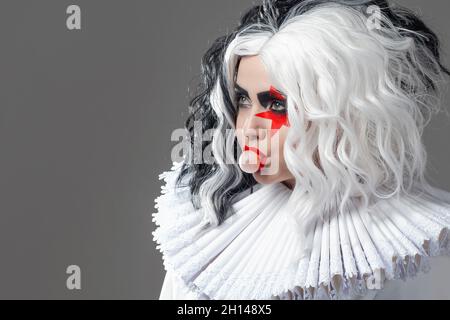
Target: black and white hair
(359, 98)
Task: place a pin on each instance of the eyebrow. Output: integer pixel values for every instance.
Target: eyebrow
(273, 92)
(241, 90)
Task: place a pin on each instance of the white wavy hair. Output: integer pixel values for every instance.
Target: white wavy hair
(357, 105)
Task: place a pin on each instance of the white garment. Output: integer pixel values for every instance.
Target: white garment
(174, 288)
(432, 285)
(253, 254)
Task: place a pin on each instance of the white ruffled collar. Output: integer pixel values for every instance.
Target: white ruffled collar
(253, 254)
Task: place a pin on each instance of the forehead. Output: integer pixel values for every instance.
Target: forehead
(252, 74)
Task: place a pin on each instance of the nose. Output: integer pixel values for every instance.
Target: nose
(254, 127)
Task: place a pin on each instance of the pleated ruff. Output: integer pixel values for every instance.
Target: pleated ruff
(252, 255)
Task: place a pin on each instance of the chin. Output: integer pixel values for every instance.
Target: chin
(266, 178)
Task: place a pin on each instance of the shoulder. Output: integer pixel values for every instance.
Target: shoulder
(434, 284)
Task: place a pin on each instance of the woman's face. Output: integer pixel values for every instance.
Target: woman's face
(262, 120)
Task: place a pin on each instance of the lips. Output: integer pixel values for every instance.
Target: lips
(262, 156)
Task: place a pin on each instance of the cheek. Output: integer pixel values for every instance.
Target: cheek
(278, 141)
(240, 120)
(283, 135)
(280, 137)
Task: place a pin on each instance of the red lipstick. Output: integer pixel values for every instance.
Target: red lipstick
(262, 157)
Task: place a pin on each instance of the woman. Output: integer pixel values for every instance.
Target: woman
(327, 101)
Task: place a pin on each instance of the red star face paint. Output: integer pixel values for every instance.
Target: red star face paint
(275, 102)
(278, 120)
(276, 94)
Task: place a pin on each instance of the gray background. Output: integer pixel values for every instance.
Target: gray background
(85, 124)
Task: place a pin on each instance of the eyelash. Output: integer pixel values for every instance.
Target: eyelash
(282, 104)
(239, 104)
(238, 99)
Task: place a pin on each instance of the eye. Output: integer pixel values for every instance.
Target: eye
(278, 106)
(240, 101)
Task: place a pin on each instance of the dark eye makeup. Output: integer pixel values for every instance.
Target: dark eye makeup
(272, 99)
